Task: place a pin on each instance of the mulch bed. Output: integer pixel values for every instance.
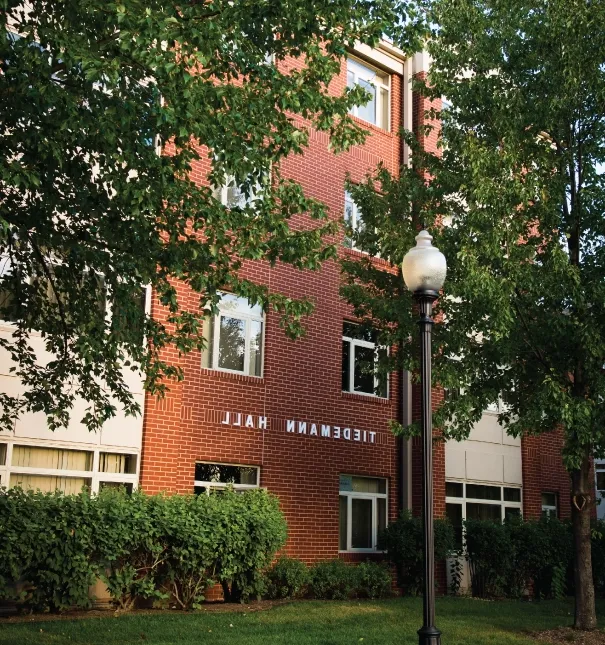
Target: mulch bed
(212, 607)
(569, 635)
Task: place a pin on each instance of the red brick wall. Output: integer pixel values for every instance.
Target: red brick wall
(301, 380)
(543, 472)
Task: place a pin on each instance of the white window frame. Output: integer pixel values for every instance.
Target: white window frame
(353, 343)
(353, 221)
(223, 486)
(94, 476)
(247, 318)
(548, 509)
(492, 502)
(368, 74)
(351, 495)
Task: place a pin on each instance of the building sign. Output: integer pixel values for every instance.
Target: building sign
(294, 426)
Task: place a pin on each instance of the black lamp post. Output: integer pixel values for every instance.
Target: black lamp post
(424, 268)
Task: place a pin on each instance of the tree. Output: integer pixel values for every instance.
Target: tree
(91, 212)
(516, 201)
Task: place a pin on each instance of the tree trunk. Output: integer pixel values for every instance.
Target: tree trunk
(581, 505)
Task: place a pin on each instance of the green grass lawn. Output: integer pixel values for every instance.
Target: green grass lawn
(462, 621)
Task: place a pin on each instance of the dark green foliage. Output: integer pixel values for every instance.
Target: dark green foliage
(510, 559)
(287, 578)
(373, 580)
(141, 546)
(598, 556)
(333, 580)
(403, 540)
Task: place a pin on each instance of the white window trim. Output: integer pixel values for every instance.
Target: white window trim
(473, 500)
(373, 80)
(248, 318)
(224, 486)
(350, 495)
(354, 342)
(94, 476)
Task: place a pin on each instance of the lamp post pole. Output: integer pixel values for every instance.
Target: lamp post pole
(428, 633)
(424, 269)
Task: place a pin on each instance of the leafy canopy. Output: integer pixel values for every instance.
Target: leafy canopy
(518, 184)
(90, 213)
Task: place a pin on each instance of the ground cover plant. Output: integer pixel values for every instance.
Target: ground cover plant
(463, 622)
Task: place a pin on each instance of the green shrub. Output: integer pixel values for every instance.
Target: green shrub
(287, 578)
(372, 580)
(598, 555)
(129, 545)
(46, 543)
(403, 540)
(52, 546)
(333, 580)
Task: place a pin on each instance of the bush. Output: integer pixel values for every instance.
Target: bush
(509, 559)
(373, 580)
(53, 545)
(333, 580)
(287, 578)
(598, 556)
(403, 542)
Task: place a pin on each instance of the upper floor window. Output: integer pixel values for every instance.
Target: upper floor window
(360, 356)
(353, 221)
(378, 85)
(234, 337)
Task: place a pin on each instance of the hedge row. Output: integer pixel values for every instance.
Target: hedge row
(527, 556)
(54, 546)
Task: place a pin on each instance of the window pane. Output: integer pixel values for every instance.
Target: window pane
(477, 491)
(256, 347)
(224, 474)
(382, 513)
(484, 512)
(453, 513)
(116, 485)
(342, 523)
(382, 378)
(358, 332)
(367, 112)
(511, 512)
(49, 483)
(549, 499)
(2, 454)
(453, 489)
(361, 511)
(350, 79)
(346, 378)
(363, 379)
(200, 490)
(55, 458)
(232, 344)
(231, 303)
(349, 220)
(111, 462)
(601, 480)
(512, 494)
(368, 485)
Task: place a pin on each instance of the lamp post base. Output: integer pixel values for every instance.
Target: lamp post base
(429, 636)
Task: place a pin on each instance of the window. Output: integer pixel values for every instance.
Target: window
(213, 477)
(360, 357)
(66, 469)
(353, 220)
(549, 505)
(600, 476)
(377, 84)
(234, 337)
(466, 501)
(362, 512)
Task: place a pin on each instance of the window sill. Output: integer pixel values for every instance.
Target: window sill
(366, 398)
(232, 376)
(372, 126)
(356, 253)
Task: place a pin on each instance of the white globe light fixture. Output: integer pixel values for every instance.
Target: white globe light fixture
(424, 269)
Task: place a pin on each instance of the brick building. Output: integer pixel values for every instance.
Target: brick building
(299, 417)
